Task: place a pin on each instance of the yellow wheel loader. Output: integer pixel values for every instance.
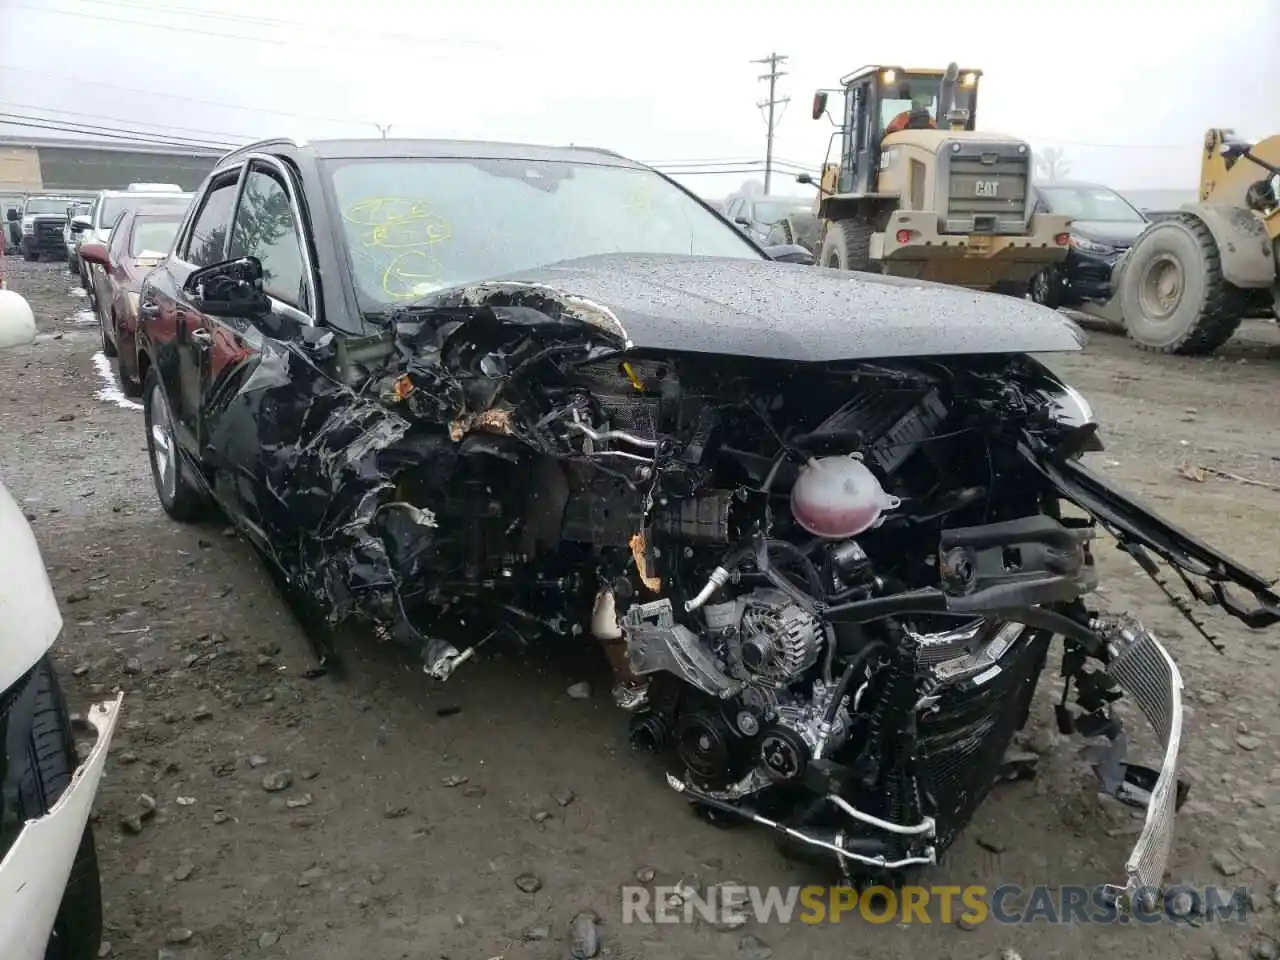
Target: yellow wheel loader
(919, 192)
(1188, 280)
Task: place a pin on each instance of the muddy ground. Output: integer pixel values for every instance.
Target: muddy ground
(368, 852)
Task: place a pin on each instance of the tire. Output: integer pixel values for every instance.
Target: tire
(1046, 288)
(73, 263)
(847, 245)
(36, 774)
(31, 256)
(1173, 296)
(108, 347)
(179, 497)
(130, 387)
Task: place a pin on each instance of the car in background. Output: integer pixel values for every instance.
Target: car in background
(40, 223)
(75, 225)
(140, 239)
(1103, 226)
(109, 204)
(11, 229)
(757, 216)
(50, 890)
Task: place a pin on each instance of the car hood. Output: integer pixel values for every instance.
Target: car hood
(1114, 233)
(761, 308)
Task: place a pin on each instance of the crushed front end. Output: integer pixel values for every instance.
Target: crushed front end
(827, 592)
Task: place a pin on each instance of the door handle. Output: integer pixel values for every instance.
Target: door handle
(201, 336)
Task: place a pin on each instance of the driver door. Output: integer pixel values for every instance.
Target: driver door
(236, 427)
(205, 244)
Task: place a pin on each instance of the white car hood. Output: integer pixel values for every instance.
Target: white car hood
(34, 873)
(29, 616)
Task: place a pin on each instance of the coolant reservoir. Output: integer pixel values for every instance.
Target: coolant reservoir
(838, 497)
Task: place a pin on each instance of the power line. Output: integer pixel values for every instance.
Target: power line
(346, 48)
(141, 139)
(345, 30)
(773, 60)
(99, 116)
(173, 96)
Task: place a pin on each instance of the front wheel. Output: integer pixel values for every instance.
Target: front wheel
(847, 245)
(1046, 288)
(40, 760)
(1173, 296)
(179, 497)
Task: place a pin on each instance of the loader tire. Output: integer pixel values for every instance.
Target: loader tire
(39, 761)
(1173, 296)
(847, 245)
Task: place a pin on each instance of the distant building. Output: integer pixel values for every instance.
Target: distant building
(34, 165)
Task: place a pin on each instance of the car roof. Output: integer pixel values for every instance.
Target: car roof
(378, 148)
(1075, 185)
(146, 194)
(168, 210)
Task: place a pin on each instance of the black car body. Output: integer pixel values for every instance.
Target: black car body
(1104, 225)
(467, 391)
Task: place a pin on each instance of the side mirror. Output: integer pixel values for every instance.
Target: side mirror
(17, 323)
(12, 214)
(742, 220)
(81, 223)
(804, 178)
(95, 252)
(819, 104)
(232, 288)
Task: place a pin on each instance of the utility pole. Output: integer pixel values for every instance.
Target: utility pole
(773, 60)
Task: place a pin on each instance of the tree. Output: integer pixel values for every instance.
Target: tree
(1052, 165)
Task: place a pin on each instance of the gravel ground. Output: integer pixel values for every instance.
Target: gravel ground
(381, 815)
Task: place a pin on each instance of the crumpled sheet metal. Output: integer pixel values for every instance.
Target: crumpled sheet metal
(329, 458)
(555, 304)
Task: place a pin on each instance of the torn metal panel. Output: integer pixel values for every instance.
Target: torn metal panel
(828, 587)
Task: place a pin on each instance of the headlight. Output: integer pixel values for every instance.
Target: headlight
(1071, 409)
(28, 225)
(1091, 246)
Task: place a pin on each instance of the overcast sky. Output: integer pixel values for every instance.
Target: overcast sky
(1124, 87)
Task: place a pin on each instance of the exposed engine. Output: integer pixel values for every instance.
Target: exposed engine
(826, 592)
(774, 564)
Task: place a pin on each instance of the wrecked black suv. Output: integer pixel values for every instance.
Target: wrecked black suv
(468, 391)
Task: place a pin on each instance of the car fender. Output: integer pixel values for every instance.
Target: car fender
(29, 616)
(35, 870)
(1243, 244)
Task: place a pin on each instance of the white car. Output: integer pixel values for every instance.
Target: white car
(50, 895)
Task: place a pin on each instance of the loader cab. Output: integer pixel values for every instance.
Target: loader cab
(877, 96)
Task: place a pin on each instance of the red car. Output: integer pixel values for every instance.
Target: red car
(140, 238)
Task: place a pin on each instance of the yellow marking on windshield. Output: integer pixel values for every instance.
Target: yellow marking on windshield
(641, 198)
(409, 226)
(411, 275)
(398, 223)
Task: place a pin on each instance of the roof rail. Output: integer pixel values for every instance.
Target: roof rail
(251, 147)
(607, 152)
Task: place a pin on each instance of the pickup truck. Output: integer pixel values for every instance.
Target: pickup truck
(41, 221)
